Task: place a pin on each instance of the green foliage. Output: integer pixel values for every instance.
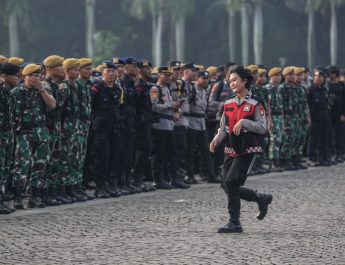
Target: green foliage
(105, 46)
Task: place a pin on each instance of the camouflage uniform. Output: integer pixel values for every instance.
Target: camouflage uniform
(69, 151)
(32, 149)
(6, 133)
(84, 96)
(288, 93)
(303, 114)
(53, 169)
(276, 107)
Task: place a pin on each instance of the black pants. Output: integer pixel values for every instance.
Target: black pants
(180, 136)
(143, 150)
(199, 138)
(319, 141)
(106, 155)
(163, 153)
(338, 137)
(235, 175)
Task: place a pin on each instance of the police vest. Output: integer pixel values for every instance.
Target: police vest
(246, 142)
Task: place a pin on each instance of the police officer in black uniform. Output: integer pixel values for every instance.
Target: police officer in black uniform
(143, 122)
(105, 104)
(320, 119)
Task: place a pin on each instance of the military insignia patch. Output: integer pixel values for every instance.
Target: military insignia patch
(154, 94)
(262, 110)
(247, 108)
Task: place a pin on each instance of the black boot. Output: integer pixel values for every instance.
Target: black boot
(112, 190)
(178, 182)
(191, 180)
(35, 199)
(263, 201)
(80, 190)
(3, 208)
(61, 195)
(18, 200)
(234, 225)
(70, 190)
(214, 179)
(101, 193)
(49, 198)
(163, 184)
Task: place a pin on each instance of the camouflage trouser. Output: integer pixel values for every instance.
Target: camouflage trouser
(53, 169)
(289, 137)
(301, 137)
(82, 145)
(32, 154)
(69, 153)
(6, 148)
(276, 137)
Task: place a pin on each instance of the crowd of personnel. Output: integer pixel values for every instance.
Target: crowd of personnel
(67, 127)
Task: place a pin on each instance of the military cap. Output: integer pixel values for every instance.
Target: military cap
(144, 63)
(16, 60)
(229, 64)
(99, 68)
(320, 71)
(288, 70)
(131, 60)
(204, 74)
(154, 70)
(212, 70)
(31, 68)
(200, 67)
(163, 70)
(332, 69)
(85, 62)
(253, 68)
(191, 66)
(70, 63)
(9, 68)
(262, 71)
(274, 71)
(118, 60)
(174, 64)
(298, 70)
(108, 64)
(95, 72)
(3, 59)
(53, 61)
(220, 69)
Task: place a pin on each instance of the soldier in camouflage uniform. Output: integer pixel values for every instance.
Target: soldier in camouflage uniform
(55, 181)
(69, 152)
(84, 95)
(9, 80)
(303, 120)
(276, 120)
(288, 93)
(32, 150)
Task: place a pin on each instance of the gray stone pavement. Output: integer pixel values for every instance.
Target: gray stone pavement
(305, 225)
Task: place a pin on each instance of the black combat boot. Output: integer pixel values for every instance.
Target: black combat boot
(112, 190)
(61, 195)
(71, 191)
(191, 180)
(178, 182)
(35, 199)
(163, 184)
(214, 179)
(80, 190)
(263, 201)
(18, 199)
(3, 208)
(49, 199)
(101, 193)
(234, 225)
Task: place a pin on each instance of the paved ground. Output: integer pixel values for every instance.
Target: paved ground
(305, 225)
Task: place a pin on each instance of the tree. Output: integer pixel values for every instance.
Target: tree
(309, 7)
(245, 31)
(90, 27)
(258, 32)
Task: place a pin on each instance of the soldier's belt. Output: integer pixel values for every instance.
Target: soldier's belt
(194, 115)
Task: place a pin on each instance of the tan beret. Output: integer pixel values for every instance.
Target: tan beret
(262, 71)
(200, 67)
(274, 71)
(53, 61)
(30, 69)
(85, 62)
(99, 68)
(70, 63)
(212, 70)
(299, 70)
(288, 70)
(3, 59)
(16, 61)
(253, 68)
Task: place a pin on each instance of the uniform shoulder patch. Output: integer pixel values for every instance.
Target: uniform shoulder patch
(261, 109)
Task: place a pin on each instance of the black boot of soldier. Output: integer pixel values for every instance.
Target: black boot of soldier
(3, 208)
(18, 200)
(61, 195)
(214, 179)
(72, 192)
(35, 199)
(191, 180)
(234, 225)
(262, 199)
(80, 190)
(49, 199)
(112, 190)
(177, 182)
(163, 184)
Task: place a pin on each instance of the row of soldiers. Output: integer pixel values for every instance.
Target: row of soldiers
(65, 125)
